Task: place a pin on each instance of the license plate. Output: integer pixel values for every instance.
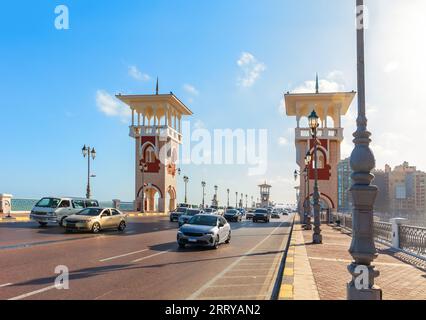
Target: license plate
(192, 240)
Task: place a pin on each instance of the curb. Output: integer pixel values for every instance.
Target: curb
(282, 284)
(287, 282)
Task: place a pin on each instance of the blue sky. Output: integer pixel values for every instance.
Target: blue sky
(50, 80)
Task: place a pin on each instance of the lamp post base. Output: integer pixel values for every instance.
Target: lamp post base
(375, 293)
(317, 238)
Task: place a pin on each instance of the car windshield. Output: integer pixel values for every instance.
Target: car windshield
(231, 211)
(181, 210)
(261, 211)
(203, 221)
(48, 203)
(208, 210)
(192, 212)
(90, 212)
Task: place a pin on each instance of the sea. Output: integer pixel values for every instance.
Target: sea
(28, 204)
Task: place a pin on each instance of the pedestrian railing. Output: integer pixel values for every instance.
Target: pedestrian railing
(410, 239)
(413, 239)
(383, 231)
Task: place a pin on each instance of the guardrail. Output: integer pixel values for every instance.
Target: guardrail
(410, 239)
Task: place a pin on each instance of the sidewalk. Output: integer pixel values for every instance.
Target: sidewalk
(315, 272)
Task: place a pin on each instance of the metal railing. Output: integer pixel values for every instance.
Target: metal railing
(383, 231)
(413, 239)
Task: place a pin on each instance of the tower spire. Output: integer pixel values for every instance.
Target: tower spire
(156, 88)
(317, 84)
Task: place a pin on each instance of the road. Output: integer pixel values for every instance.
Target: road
(142, 263)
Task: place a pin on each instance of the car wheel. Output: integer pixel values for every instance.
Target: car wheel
(96, 227)
(61, 223)
(122, 226)
(216, 243)
(229, 238)
(181, 245)
(42, 224)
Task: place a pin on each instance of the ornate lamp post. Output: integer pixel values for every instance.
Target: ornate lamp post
(242, 201)
(314, 124)
(186, 179)
(143, 167)
(227, 190)
(307, 221)
(203, 185)
(90, 153)
(236, 199)
(362, 249)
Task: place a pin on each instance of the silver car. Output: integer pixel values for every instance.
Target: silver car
(95, 220)
(204, 230)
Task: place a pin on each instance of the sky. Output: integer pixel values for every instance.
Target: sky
(229, 61)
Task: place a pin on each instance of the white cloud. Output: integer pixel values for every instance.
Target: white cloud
(136, 74)
(329, 84)
(391, 66)
(191, 89)
(111, 107)
(251, 69)
(282, 141)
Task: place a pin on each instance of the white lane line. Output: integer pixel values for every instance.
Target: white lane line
(29, 294)
(122, 255)
(152, 255)
(197, 293)
(5, 285)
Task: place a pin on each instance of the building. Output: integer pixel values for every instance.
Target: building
(156, 127)
(344, 183)
(401, 189)
(265, 193)
(330, 107)
(381, 180)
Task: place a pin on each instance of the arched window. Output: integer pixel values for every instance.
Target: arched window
(150, 154)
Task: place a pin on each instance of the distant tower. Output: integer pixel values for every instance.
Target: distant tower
(265, 192)
(329, 107)
(157, 129)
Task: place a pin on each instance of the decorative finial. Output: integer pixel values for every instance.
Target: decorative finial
(156, 88)
(317, 85)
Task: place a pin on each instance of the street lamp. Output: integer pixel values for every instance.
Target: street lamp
(314, 124)
(186, 179)
(227, 190)
(362, 249)
(203, 185)
(242, 201)
(246, 201)
(307, 203)
(143, 167)
(236, 200)
(90, 153)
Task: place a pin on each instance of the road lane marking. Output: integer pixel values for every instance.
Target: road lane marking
(207, 285)
(122, 255)
(5, 285)
(29, 294)
(152, 255)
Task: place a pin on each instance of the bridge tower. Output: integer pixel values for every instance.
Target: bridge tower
(330, 107)
(157, 129)
(265, 192)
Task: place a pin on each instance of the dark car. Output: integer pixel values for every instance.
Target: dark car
(184, 218)
(262, 215)
(174, 215)
(233, 215)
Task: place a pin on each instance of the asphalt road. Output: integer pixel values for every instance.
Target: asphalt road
(142, 263)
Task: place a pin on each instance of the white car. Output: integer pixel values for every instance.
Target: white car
(57, 209)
